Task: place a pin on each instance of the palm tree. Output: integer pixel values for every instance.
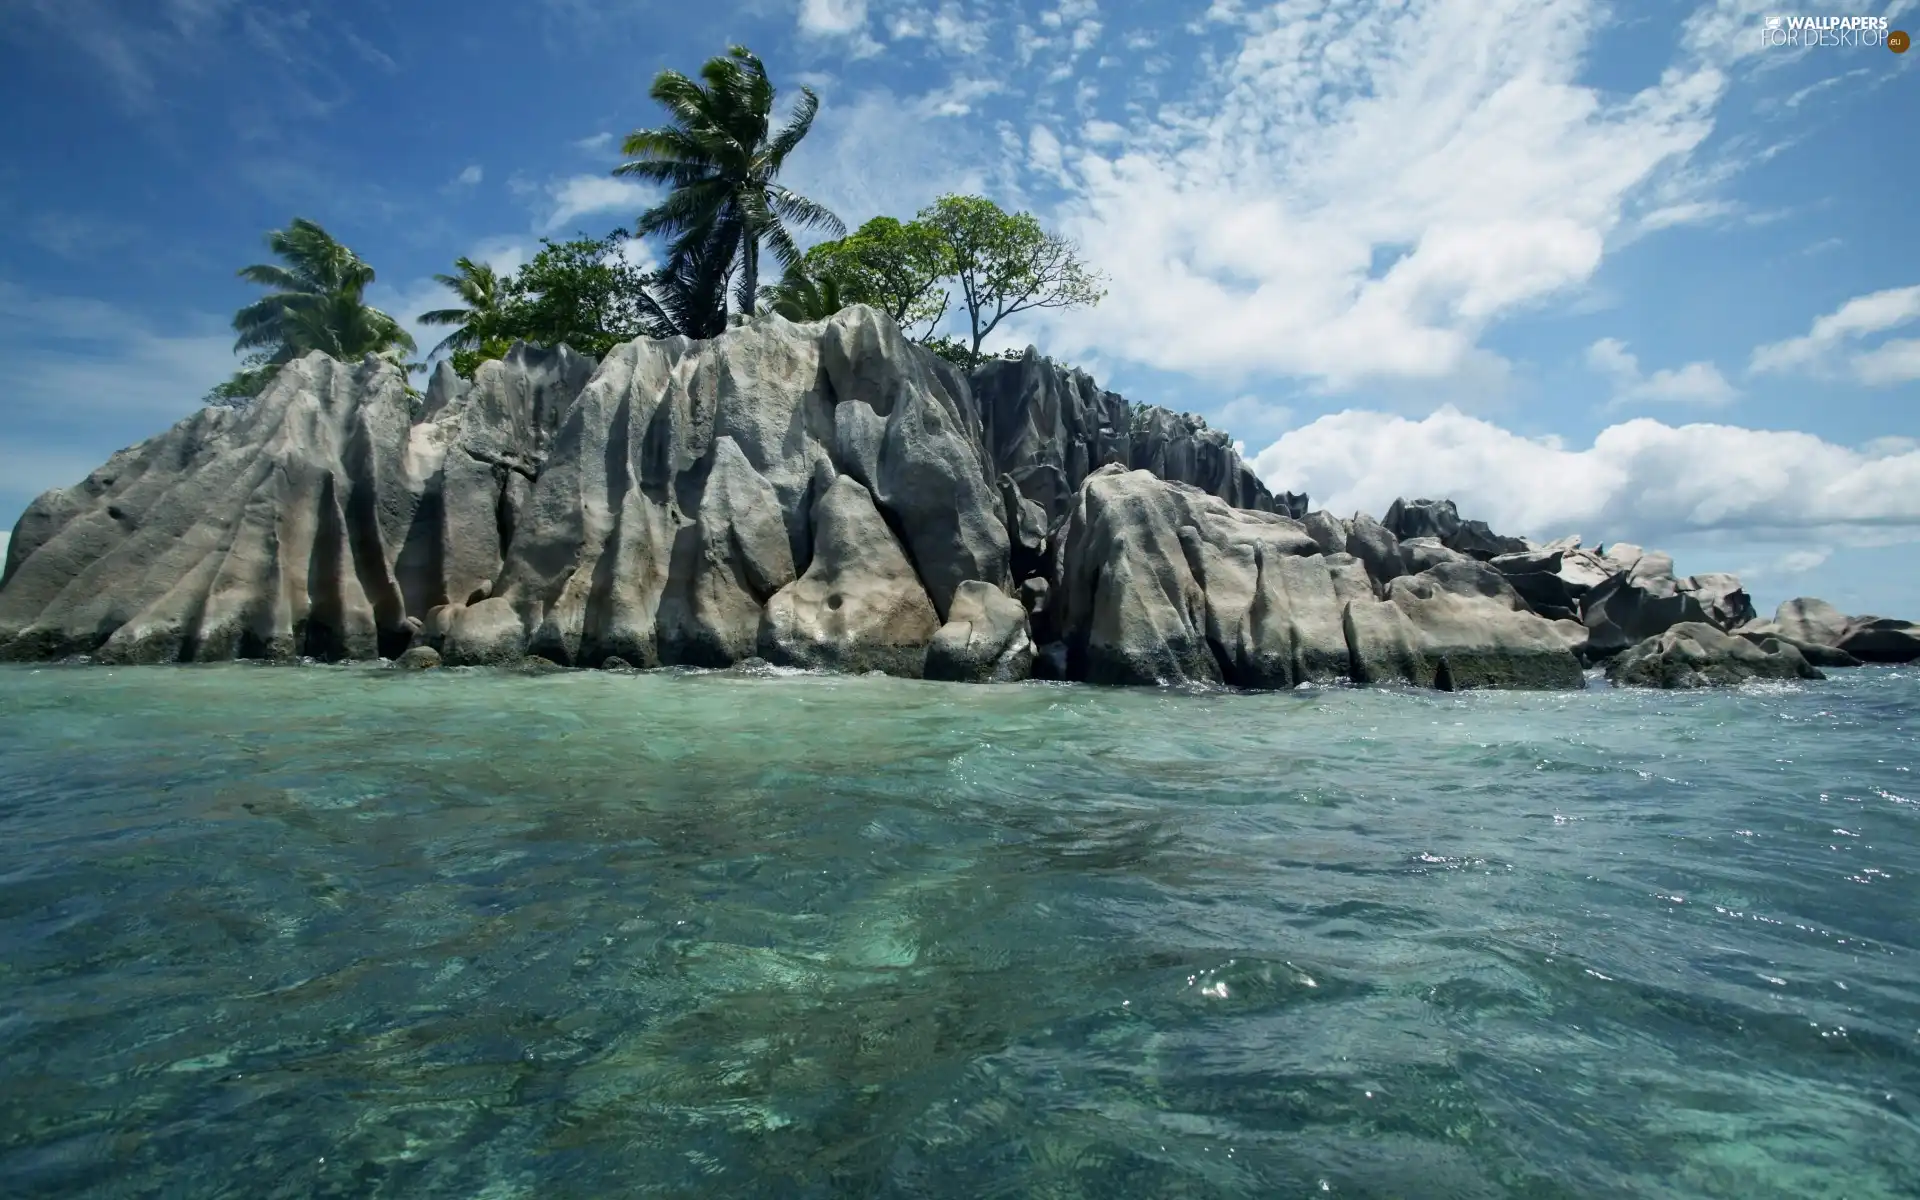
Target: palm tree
(801, 297)
(479, 287)
(720, 160)
(688, 296)
(316, 304)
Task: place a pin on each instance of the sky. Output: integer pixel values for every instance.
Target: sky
(1627, 271)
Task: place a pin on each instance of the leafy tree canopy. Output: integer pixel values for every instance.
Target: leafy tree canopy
(1005, 263)
(896, 266)
(314, 303)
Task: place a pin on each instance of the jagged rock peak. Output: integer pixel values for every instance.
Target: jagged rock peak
(1049, 427)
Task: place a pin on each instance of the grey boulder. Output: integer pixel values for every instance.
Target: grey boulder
(487, 634)
(985, 639)
(1643, 602)
(1139, 555)
(1554, 580)
(859, 606)
(1327, 531)
(1882, 640)
(1375, 546)
(1424, 553)
(418, 658)
(1440, 519)
(1695, 654)
(1828, 635)
(1477, 632)
(1720, 595)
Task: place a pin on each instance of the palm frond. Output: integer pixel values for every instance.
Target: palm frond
(796, 128)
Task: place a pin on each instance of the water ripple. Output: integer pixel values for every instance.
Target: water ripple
(334, 931)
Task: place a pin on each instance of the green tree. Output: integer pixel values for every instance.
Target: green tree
(315, 304)
(720, 159)
(1005, 263)
(480, 289)
(802, 296)
(896, 266)
(586, 293)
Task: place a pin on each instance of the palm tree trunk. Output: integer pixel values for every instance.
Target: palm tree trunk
(749, 271)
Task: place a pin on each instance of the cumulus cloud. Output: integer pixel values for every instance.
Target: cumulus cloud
(588, 195)
(1833, 349)
(1639, 480)
(471, 176)
(1450, 140)
(1694, 383)
(839, 19)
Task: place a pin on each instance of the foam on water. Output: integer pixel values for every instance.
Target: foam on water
(354, 932)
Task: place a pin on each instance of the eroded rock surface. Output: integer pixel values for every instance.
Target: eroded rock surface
(1829, 637)
(985, 639)
(825, 495)
(1696, 654)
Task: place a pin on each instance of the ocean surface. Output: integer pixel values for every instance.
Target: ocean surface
(345, 931)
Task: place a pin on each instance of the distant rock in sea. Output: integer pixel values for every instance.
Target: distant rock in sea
(827, 495)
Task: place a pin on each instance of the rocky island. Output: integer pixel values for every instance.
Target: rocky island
(827, 495)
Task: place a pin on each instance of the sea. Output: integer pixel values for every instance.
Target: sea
(351, 931)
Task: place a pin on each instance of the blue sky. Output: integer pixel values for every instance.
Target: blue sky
(1616, 270)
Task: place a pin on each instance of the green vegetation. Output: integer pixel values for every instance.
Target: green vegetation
(1004, 263)
(896, 267)
(721, 162)
(962, 262)
(478, 287)
(315, 304)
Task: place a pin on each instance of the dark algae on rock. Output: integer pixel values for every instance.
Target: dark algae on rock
(825, 495)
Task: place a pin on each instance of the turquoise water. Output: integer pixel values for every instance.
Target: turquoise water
(338, 931)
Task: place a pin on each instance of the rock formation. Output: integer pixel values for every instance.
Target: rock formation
(1695, 654)
(826, 495)
(1828, 637)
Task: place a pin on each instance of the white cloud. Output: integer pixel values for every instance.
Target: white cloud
(588, 195)
(1250, 416)
(882, 153)
(1694, 383)
(1831, 348)
(85, 378)
(1249, 217)
(839, 19)
(470, 176)
(1639, 481)
(73, 356)
(504, 254)
(1796, 562)
(6, 536)
(825, 18)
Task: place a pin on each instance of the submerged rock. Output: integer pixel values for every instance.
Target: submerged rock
(418, 658)
(1696, 654)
